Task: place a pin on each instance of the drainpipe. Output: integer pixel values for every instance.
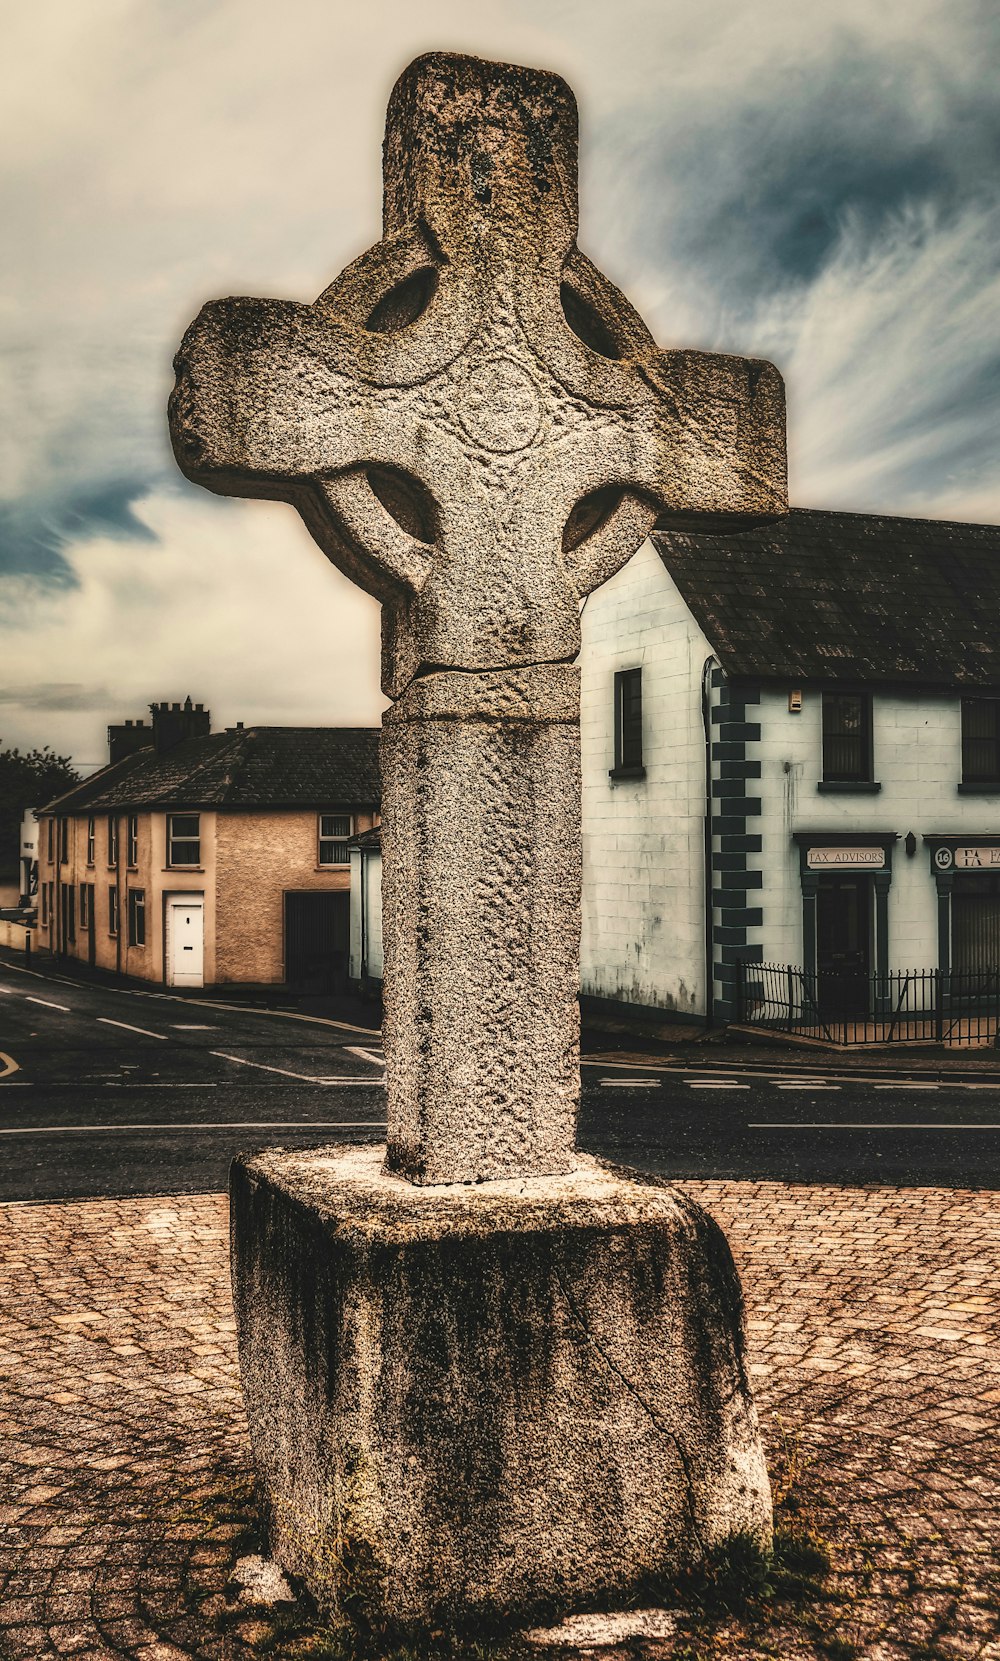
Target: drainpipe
(122, 919)
(363, 885)
(710, 663)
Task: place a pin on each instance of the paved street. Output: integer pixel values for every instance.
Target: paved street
(125, 1476)
(108, 1091)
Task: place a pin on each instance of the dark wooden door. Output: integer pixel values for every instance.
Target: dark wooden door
(317, 936)
(843, 944)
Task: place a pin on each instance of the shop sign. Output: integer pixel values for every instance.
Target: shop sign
(847, 859)
(967, 859)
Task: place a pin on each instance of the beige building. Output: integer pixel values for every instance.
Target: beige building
(198, 858)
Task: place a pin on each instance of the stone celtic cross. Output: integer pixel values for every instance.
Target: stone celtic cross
(477, 427)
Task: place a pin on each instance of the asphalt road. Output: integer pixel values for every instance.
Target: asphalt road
(112, 1091)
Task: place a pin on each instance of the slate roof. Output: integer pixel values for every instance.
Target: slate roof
(250, 767)
(846, 597)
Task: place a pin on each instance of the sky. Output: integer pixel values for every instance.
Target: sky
(815, 183)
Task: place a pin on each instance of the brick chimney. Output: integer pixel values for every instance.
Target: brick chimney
(173, 723)
(126, 738)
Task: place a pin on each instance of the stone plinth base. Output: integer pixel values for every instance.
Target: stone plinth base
(502, 1401)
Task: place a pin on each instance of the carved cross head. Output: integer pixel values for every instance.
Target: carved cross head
(474, 423)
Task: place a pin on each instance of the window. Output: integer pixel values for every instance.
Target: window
(112, 909)
(45, 887)
(132, 844)
(85, 891)
(628, 725)
(334, 831)
(112, 839)
(980, 740)
(183, 839)
(69, 914)
(91, 841)
(847, 737)
(63, 841)
(137, 916)
(50, 845)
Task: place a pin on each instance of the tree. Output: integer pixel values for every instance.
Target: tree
(29, 779)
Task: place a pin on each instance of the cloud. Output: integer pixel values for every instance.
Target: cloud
(810, 182)
(230, 602)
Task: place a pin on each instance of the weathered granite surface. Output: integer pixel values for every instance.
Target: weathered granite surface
(474, 423)
(511, 1398)
(501, 1401)
(480, 905)
(479, 429)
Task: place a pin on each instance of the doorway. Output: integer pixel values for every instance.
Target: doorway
(185, 940)
(844, 945)
(317, 937)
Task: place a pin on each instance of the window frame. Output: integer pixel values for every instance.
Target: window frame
(174, 841)
(136, 910)
(132, 841)
(968, 739)
(841, 778)
(91, 839)
(44, 918)
(63, 841)
(333, 840)
(50, 845)
(629, 725)
(85, 905)
(112, 840)
(113, 910)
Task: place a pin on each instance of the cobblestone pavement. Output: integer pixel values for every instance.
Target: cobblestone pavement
(873, 1335)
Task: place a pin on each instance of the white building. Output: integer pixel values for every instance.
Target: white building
(791, 755)
(810, 709)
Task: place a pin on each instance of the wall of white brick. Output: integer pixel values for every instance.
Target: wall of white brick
(643, 858)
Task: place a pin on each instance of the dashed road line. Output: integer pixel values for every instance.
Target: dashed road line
(807, 1086)
(48, 1004)
(907, 1084)
(106, 1021)
(366, 1055)
(715, 1084)
(192, 1026)
(631, 1083)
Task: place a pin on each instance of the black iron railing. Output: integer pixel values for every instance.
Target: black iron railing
(903, 1006)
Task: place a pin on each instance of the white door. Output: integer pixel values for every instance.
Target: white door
(185, 941)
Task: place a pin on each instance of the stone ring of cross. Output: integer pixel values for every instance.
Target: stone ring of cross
(476, 426)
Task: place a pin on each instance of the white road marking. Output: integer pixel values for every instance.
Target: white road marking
(191, 1026)
(17, 1083)
(800, 1125)
(715, 1084)
(48, 1004)
(8, 991)
(9, 1065)
(233, 1124)
(305, 1078)
(908, 1084)
(366, 1055)
(107, 1021)
(631, 1083)
(807, 1086)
